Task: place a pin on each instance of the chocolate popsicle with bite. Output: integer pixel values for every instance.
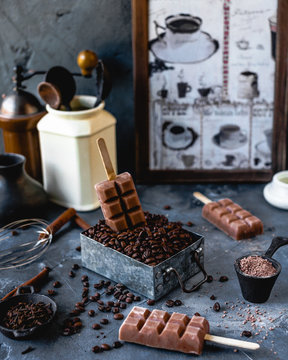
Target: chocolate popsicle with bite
(230, 218)
(175, 332)
(118, 197)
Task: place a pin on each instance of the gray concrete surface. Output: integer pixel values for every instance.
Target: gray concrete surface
(271, 324)
(42, 34)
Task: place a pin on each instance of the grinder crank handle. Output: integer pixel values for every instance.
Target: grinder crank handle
(111, 175)
(276, 243)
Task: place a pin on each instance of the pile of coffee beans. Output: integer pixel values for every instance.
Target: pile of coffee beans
(151, 244)
(25, 315)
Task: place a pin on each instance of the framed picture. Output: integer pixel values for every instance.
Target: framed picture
(210, 89)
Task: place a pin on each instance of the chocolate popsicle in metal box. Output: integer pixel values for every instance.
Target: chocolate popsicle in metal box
(145, 252)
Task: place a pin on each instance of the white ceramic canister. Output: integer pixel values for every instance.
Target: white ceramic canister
(71, 162)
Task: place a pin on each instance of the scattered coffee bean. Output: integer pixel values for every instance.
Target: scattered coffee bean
(104, 321)
(78, 248)
(117, 344)
(92, 298)
(107, 283)
(75, 267)
(15, 233)
(223, 278)
(122, 306)
(51, 292)
(209, 278)
(178, 303)
(74, 312)
(137, 298)
(96, 326)
(167, 207)
(85, 300)
(84, 278)
(77, 325)
(150, 302)
(197, 314)
(216, 307)
(246, 333)
(129, 300)
(118, 316)
(105, 347)
(91, 313)
(212, 297)
(189, 223)
(97, 295)
(29, 349)
(170, 303)
(100, 302)
(97, 349)
(72, 274)
(115, 310)
(107, 308)
(86, 284)
(101, 308)
(56, 284)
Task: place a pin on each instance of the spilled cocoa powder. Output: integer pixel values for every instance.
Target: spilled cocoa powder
(257, 266)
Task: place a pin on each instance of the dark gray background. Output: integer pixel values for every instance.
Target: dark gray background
(42, 34)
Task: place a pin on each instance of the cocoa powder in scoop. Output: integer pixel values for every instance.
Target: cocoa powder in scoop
(257, 266)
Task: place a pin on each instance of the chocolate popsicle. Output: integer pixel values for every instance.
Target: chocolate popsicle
(175, 332)
(118, 197)
(231, 218)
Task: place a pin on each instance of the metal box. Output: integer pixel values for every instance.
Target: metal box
(152, 282)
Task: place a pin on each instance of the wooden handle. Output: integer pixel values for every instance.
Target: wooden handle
(87, 60)
(232, 342)
(201, 197)
(106, 159)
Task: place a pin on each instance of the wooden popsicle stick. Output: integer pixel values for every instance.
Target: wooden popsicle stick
(106, 159)
(232, 342)
(201, 197)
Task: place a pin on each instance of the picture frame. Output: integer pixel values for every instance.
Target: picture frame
(145, 173)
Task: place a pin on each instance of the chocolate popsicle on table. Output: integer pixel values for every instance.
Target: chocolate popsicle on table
(118, 197)
(175, 332)
(230, 218)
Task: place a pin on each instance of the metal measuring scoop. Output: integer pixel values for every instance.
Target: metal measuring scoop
(257, 289)
(58, 88)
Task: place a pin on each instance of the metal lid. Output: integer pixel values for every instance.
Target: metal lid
(20, 102)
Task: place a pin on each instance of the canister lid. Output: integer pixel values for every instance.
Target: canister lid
(20, 102)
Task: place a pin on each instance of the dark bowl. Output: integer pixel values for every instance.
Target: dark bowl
(256, 289)
(27, 333)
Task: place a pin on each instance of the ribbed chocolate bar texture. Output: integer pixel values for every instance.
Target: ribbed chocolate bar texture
(120, 203)
(232, 219)
(160, 329)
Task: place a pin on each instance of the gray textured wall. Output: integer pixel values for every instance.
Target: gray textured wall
(44, 33)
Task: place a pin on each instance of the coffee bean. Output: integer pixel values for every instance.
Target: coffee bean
(105, 347)
(209, 278)
(78, 325)
(117, 344)
(197, 314)
(14, 233)
(96, 326)
(216, 307)
(78, 248)
(123, 306)
(101, 308)
(85, 300)
(189, 223)
(137, 298)
(56, 284)
(107, 283)
(72, 274)
(170, 303)
(115, 310)
(100, 302)
(76, 319)
(84, 278)
(92, 298)
(107, 308)
(91, 313)
(178, 303)
(110, 303)
(97, 295)
(97, 349)
(74, 312)
(223, 278)
(118, 316)
(86, 284)
(212, 297)
(51, 292)
(246, 333)
(167, 207)
(75, 267)
(129, 294)
(104, 321)
(150, 302)
(129, 300)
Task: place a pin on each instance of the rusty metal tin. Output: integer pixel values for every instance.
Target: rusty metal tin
(152, 282)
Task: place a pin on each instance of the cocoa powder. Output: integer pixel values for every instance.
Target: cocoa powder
(257, 266)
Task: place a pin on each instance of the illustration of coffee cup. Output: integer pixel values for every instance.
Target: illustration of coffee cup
(183, 89)
(187, 159)
(163, 93)
(230, 136)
